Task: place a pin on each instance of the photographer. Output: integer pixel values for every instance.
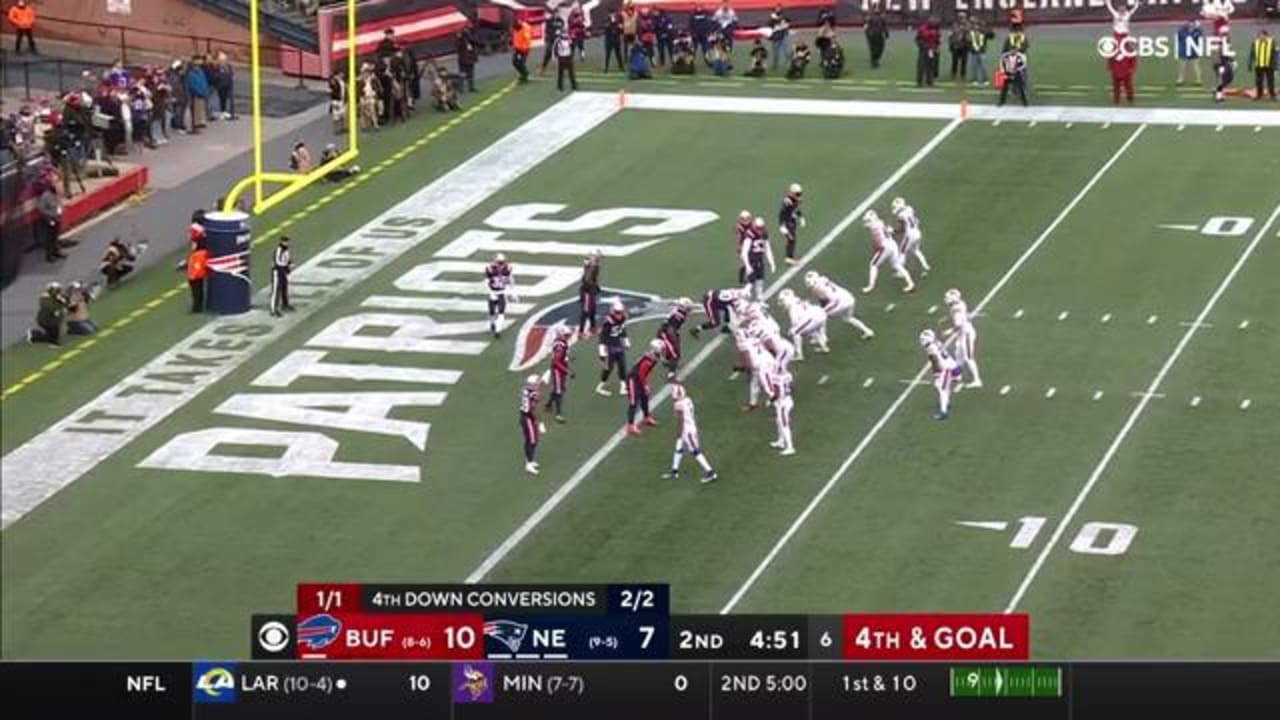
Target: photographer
(683, 54)
(118, 261)
(49, 317)
(759, 56)
(799, 61)
(49, 225)
(833, 61)
(328, 155)
(77, 301)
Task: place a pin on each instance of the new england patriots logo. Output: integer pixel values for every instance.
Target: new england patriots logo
(533, 343)
(318, 631)
(508, 632)
(236, 264)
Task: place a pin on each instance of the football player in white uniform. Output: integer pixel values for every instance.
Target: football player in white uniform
(884, 249)
(836, 301)
(762, 365)
(780, 390)
(807, 321)
(945, 371)
(766, 331)
(687, 437)
(966, 336)
(912, 235)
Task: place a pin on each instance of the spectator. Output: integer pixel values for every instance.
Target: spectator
(826, 31)
(664, 30)
(1262, 61)
(726, 21)
(779, 35)
(877, 32)
(23, 19)
(978, 38)
(799, 61)
(370, 102)
(223, 80)
(198, 93)
(833, 61)
(300, 159)
(443, 92)
(699, 29)
(759, 56)
(117, 262)
(141, 106)
(77, 301)
(48, 225)
(413, 78)
(630, 26)
(564, 62)
(161, 100)
(578, 30)
(958, 45)
(928, 38)
(387, 46)
(552, 29)
(521, 41)
(338, 100)
(613, 41)
(177, 79)
(467, 53)
(116, 76)
(49, 316)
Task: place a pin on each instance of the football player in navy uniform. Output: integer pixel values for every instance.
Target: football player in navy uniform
(669, 334)
(530, 427)
(638, 387)
(740, 232)
(589, 294)
(756, 253)
(561, 371)
(716, 304)
(613, 347)
(791, 219)
(501, 284)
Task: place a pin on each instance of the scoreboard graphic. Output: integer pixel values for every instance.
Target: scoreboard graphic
(498, 652)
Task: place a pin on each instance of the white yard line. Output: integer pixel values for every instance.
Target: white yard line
(902, 397)
(65, 451)
(1132, 420)
(499, 553)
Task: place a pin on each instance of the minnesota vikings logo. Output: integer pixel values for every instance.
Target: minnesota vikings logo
(475, 683)
(533, 343)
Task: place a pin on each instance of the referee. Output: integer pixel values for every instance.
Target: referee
(1013, 62)
(281, 266)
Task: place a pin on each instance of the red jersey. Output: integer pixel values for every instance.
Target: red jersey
(529, 402)
(642, 369)
(560, 356)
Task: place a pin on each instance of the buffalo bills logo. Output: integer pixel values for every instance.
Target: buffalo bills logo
(536, 336)
(318, 631)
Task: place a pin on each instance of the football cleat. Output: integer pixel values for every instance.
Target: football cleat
(788, 451)
(941, 416)
(632, 429)
(602, 390)
(622, 388)
(651, 421)
(710, 477)
(531, 468)
(671, 475)
(777, 444)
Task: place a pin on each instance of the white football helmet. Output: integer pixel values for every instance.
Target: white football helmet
(951, 297)
(595, 253)
(533, 380)
(677, 391)
(564, 331)
(795, 189)
(53, 286)
(811, 278)
(897, 204)
(745, 216)
(617, 304)
(758, 223)
(500, 258)
(656, 345)
(786, 296)
(684, 303)
(926, 337)
(870, 218)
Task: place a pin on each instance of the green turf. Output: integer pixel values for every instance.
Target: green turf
(130, 562)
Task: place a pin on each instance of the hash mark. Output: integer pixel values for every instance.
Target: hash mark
(1137, 394)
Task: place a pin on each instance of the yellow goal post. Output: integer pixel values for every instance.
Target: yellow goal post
(293, 182)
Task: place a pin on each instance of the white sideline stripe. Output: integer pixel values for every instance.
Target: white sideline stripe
(1137, 413)
(948, 111)
(902, 397)
(499, 553)
(58, 456)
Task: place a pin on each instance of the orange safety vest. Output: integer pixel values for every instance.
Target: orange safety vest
(22, 18)
(522, 38)
(198, 264)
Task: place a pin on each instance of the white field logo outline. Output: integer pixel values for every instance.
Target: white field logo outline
(1160, 46)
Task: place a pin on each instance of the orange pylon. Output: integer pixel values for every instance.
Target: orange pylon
(964, 109)
(622, 98)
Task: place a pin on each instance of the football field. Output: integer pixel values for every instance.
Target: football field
(1113, 478)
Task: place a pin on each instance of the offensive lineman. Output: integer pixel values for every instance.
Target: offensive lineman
(613, 347)
(836, 301)
(756, 252)
(945, 371)
(762, 366)
(530, 426)
(687, 439)
(909, 228)
(589, 294)
(638, 388)
(501, 284)
(966, 347)
(561, 371)
(883, 249)
(790, 219)
(807, 320)
(281, 266)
